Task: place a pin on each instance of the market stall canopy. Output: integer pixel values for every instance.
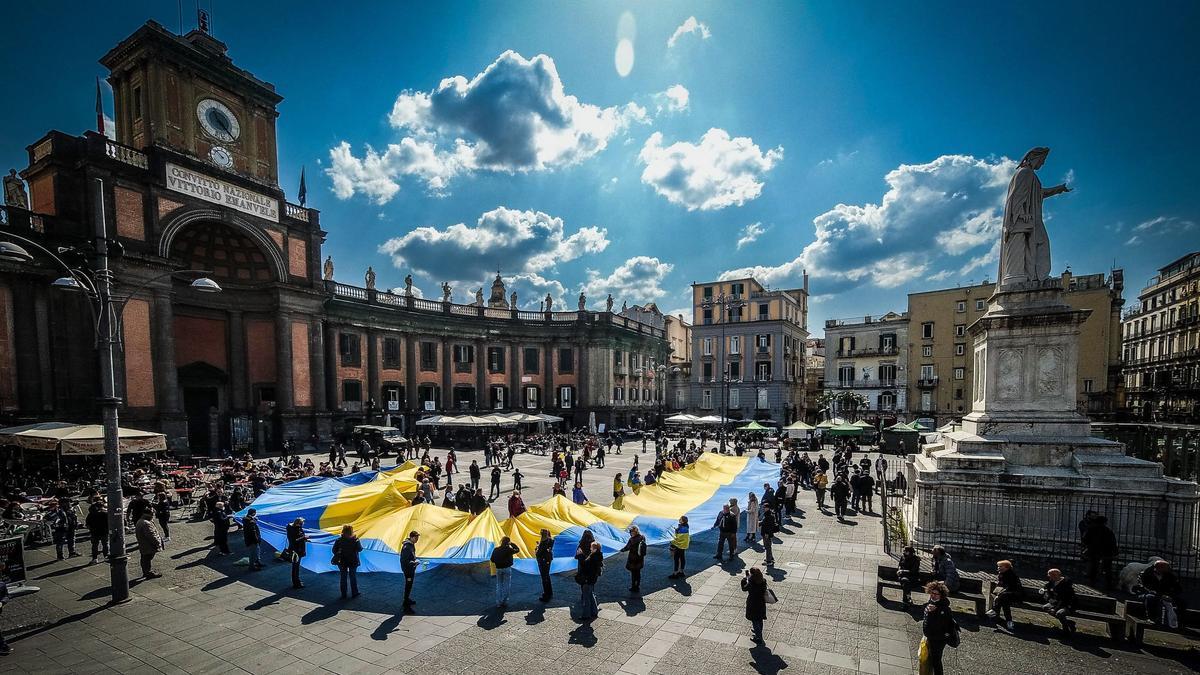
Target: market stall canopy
(831, 423)
(681, 418)
(845, 430)
(755, 426)
(917, 426)
(864, 424)
(901, 428)
(799, 426)
(79, 439)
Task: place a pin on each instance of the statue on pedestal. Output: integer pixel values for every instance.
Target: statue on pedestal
(327, 272)
(608, 303)
(549, 303)
(446, 291)
(479, 297)
(370, 278)
(408, 284)
(1025, 245)
(582, 301)
(14, 191)
(513, 302)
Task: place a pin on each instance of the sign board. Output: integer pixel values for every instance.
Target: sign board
(217, 191)
(12, 561)
(526, 378)
(600, 428)
(430, 406)
(393, 406)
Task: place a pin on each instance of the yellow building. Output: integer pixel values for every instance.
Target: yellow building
(748, 350)
(939, 346)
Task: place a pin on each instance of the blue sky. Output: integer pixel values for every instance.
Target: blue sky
(868, 143)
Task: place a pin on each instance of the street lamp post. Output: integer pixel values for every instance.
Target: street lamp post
(725, 303)
(96, 282)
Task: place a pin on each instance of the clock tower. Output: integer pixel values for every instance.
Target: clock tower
(185, 94)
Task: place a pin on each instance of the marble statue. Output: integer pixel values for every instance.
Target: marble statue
(370, 278)
(549, 303)
(582, 301)
(608, 303)
(328, 269)
(479, 297)
(446, 291)
(14, 191)
(1024, 245)
(408, 284)
(513, 301)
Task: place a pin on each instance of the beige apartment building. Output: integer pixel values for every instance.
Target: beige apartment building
(939, 346)
(1162, 344)
(866, 356)
(679, 342)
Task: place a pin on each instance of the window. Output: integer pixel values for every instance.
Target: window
(532, 400)
(762, 371)
(352, 391)
(735, 344)
(763, 399)
(887, 374)
(927, 350)
(707, 369)
(464, 397)
(618, 358)
(960, 329)
(960, 373)
(927, 371)
(926, 401)
(680, 399)
(531, 360)
(960, 306)
(706, 399)
(846, 345)
(391, 352)
(429, 356)
(349, 349)
(708, 346)
(566, 360)
(764, 311)
(846, 375)
(633, 393)
(763, 342)
(979, 304)
(958, 394)
(887, 341)
(498, 397)
(960, 348)
(735, 398)
(393, 397)
(428, 395)
(735, 370)
(1087, 386)
(737, 289)
(735, 313)
(708, 293)
(618, 393)
(464, 356)
(495, 357)
(707, 315)
(566, 397)
(887, 401)
(927, 330)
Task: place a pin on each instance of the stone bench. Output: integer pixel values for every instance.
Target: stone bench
(969, 589)
(1136, 622)
(1097, 608)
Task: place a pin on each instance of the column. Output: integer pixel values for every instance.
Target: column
(548, 370)
(316, 354)
(283, 362)
(373, 372)
(481, 399)
(447, 393)
(238, 376)
(410, 372)
(166, 377)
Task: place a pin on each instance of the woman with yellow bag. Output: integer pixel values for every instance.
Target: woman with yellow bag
(939, 629)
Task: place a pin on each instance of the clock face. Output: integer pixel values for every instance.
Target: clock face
(221, 157)
(218, 120)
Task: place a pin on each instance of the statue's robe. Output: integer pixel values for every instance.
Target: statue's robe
(1025, 246)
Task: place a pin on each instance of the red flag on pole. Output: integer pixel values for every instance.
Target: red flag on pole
(99, 109)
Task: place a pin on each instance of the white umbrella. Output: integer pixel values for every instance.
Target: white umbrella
(681, 418)
(546, 417)
(431, 421)
(709, 419)
(472, 421)
(80, 439)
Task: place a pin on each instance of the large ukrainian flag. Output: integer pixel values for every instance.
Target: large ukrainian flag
(377, 505)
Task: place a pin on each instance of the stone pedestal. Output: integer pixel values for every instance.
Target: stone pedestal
(1024, 468)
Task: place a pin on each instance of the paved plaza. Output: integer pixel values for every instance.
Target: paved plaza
(209, 615)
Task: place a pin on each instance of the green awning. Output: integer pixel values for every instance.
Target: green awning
(845, 430)
(901, 428)
(864, 424)
(755, 426)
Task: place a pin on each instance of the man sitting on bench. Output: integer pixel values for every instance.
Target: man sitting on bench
(1059, 593)
(1160, 589)
(908, 571)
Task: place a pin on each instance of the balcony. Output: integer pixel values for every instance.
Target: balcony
(878, 351)
(927, 382)
(862, 384)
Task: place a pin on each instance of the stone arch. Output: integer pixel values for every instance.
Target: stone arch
(180, 221)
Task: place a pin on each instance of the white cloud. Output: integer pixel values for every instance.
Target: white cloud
(941, 276)
(399, 290)
(531, 289)
(750, 234)
(716, 173)
(515, 116)
(840, 158)
(503, 238)
(932, 212)
(674, 100)
(1158, 226)
(690, 26)
(638, 279)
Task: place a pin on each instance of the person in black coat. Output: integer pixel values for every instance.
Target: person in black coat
(220, 518)
(97, 525)
(479, 503)
(937, 624)
(346, 552)
(408, 565)
(1099, 549)
(636, 546)
(726, 525)
(252, 537)
(475, 474)
(755, 586)
(1008, 592)
(1158, 584)
(591, 566)
(162, 513)
(545, 555)
(908, 571)
(1059, 593)
(769, 526)
(298, 545)
(840, 491)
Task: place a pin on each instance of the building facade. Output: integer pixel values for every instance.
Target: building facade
(1161, 348)
(814, 376)
(940, 352)
(191, 183)
(868, 356)
(679, 341)
(748, 356)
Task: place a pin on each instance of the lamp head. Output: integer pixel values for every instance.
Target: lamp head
(205, 285)
(14, 252)
(67, 284)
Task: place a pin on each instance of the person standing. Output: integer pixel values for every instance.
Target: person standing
(162, 512)
(841, 494)
(545, 556)
(494, 493)
(591, 566)
(149, 544)
(502, 558)
(752, 518)
(298, 545)
(726, 526)
(475, 474)
(1099, 549)
(770, 525)
(517, 476)
(866, 491)
(755, 587)
(1008, 592)
(820, 484)
(346, 556)
(60, 528)
(408, 565)
(636, 547)
(97, 525)
(679, 546)
(937, 627)
(220, 519)
(252, 536)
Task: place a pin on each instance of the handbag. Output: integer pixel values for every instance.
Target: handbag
(771, 598)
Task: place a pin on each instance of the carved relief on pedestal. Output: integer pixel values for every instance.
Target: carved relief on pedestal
(1009, 375)
(1049, 372)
